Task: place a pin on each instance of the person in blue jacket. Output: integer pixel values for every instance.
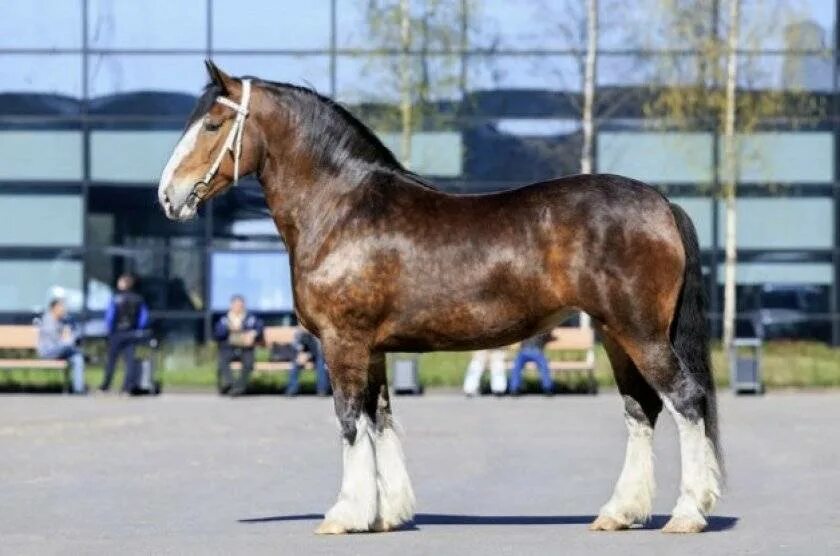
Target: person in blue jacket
(126, 320)
(237, 332)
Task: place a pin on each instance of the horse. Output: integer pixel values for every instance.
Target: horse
(381, 260)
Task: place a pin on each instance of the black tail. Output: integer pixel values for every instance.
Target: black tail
(690, 328)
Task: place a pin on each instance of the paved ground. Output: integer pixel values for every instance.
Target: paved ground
(199, 475)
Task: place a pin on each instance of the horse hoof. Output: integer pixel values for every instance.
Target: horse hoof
(380, 526)
(607, 523)
(328, 527)
(683, 525)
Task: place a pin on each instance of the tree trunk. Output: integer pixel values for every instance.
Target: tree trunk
(405, 82)
(587, 123)
(589, 86)
(730, 177)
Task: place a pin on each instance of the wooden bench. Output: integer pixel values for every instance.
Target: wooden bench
(25, 338)
(580, 340)
(275, 335)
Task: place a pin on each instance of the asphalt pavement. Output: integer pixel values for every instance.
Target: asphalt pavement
(195, 474)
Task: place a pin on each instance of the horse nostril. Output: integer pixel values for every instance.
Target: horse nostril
(167, 204)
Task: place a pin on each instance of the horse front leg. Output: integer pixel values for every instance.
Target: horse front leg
(395, 495)
(357, 504)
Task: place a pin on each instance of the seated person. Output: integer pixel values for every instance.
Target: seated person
(58, 339)
(306, 342)
(532, 350)
(237, 332)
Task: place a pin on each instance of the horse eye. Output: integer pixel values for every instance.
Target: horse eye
(210, 126)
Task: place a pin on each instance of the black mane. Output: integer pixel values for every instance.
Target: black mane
(336, 136)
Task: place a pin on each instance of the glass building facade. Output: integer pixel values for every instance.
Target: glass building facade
(94, 95)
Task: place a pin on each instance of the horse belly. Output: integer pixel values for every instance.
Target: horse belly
(484, 314)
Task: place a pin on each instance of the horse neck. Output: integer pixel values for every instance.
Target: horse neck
(307, 202)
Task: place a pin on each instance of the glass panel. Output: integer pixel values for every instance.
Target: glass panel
(257, 24)
(130, 216)
(786, 72)
(306, 71)
(375, 78)
(643, 70)
(120, 73)
(41, 220)
(435, 24)
(782, 223)
(432, 153)
(781, 273)
(59, 74)
(41, 24)
(549, 73)
(131, 156)
(786, 157)
(657, 157)
(177, 339)
(171, 280)
(534, 25)
(785, 24)
(649, 24)
(700, 211)
(41, 155)
(35, 281)
(263, 278)
(147, 24)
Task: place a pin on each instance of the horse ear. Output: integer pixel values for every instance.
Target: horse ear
(218, 77)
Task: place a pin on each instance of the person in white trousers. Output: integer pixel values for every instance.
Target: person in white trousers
(498, 379)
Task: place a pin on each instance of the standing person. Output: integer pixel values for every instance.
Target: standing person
(237, 332)
(125, 319)
(532, 350)
(479, 361)
(58, 339)
(305, 342)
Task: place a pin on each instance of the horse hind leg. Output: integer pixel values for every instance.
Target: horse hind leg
(395, 494)
(632, 498)
(686, 389)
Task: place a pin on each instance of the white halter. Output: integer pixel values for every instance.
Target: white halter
(233, 143)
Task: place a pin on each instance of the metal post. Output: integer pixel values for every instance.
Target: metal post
(835, 120)
(85, 129)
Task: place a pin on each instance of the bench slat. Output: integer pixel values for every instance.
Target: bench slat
(13, 336)
(279, 334)
(57, 364)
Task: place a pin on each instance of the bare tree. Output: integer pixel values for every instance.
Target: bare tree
(730, 173)
(701, 91)
(428, 37)
(405, 82)
(590, 66)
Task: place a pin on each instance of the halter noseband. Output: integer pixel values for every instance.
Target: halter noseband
(233, 143)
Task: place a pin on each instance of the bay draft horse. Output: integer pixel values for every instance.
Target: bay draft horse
(382, 261)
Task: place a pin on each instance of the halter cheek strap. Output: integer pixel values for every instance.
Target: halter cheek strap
(233, 143)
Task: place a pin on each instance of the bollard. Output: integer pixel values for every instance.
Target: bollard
(406, 375)
(745, 366)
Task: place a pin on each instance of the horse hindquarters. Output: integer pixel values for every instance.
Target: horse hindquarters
(675, 364)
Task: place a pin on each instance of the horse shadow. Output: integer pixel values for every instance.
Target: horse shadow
(657, 521)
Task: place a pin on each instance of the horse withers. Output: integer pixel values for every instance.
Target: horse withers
(382, 261)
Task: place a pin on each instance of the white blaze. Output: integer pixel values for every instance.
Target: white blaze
(182, 149)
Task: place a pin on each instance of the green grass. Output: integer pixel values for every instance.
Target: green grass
(785, 365)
